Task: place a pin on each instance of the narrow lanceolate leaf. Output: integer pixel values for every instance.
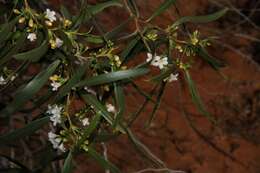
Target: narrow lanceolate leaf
(6, 29)
(196, 97)
(133, 7)
(164, 6)
(99, 107)
(101, 6)
(120, 101)
(127, 51)
(201, 19)
(29, 91)
(34, 55)
(157, 104)
(94, 39)
(67, 167)
(65, 12)
(29, 129)
(213, 62)
(102, 161)
(112, 77)
(71, 83)
(13, 50)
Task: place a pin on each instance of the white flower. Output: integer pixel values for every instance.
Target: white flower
(2, 80)
(55, 85)
(110, 108)
(50, 15)
(56, 141)
(59, 42)
(32, 37)
(149, 57)
(172, 77)
(159, 62)
(55, 112)
(85, 122)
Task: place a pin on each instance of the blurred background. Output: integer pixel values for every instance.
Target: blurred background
(186, 140)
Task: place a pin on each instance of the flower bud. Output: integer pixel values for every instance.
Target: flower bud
(31, 23)
(21, 20)
(16, 11)
(48, 23)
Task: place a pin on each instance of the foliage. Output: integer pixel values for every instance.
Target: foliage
(91, 67)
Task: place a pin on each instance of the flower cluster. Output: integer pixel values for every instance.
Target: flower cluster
(161, 63)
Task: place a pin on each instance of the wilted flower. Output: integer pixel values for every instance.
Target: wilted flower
(55, 112)
(59, 42)
(32, 37)
(56, 141)
(50, 15)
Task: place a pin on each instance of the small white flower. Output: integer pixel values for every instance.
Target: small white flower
(55, 112)
(55, 85)
(160, 62)
(2, 80)
(32, 37)
(172, 77)
(110, 108)
(59, 42)
(56, 141)
(91, 91)
(85, 122)
(50, 15)
(149, 57)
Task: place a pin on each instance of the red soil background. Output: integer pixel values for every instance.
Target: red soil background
(233, 146)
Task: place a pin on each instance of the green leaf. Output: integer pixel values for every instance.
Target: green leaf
(65, 12)
(127, 51)
(94, 39)
(29, 129)
(213, 62)
(6, 29)
(133, 7)
(164, 6)
(35, 54)
(143, 150)
(99, 107)
(67, 168)
(29, 91)
(120, 101)
(102, 161)
(113, 76)
(14, 49)
(157, 104)
(196, 97)
(101, 6)
(71, 83)
(200, 19)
